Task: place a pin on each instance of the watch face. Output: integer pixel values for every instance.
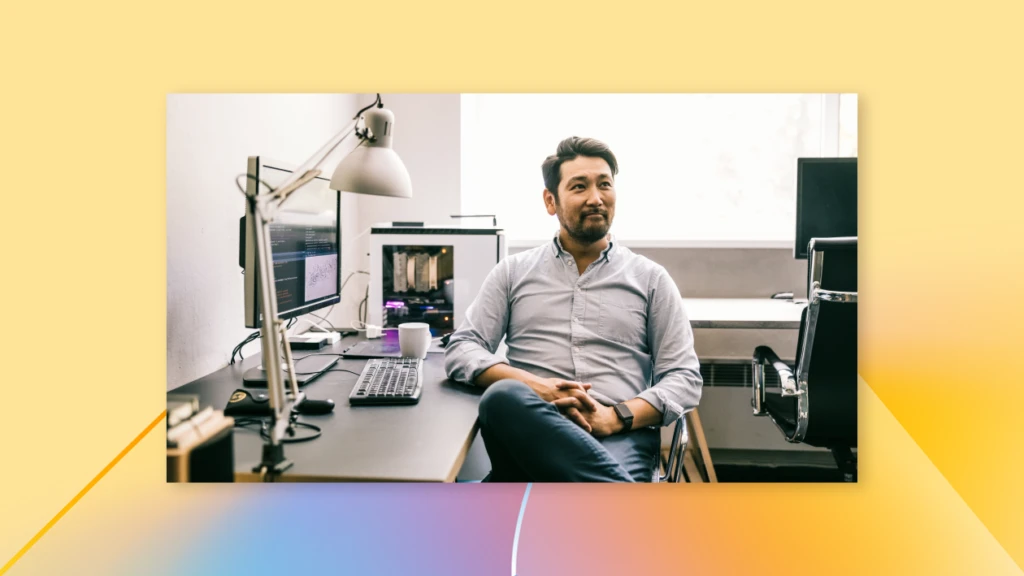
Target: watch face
(623, 412)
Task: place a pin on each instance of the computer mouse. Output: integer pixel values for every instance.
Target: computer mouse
(445, 339)
(315, 407)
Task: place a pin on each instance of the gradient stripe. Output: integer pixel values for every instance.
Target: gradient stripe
(519, 525)
(53, 521)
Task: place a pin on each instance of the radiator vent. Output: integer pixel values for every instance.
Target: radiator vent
(734, 374)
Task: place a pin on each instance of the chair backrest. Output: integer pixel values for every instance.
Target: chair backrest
(828, 336)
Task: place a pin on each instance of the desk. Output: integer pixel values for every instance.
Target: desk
(743, 313)
(425, 442)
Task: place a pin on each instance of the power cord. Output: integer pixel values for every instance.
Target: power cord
(297, 359)
(323, 318)
(238, 349)
(264, 430)
(344, 370)
(350, 275)
(364, 307)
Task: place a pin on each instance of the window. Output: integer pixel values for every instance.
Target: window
(694, 169)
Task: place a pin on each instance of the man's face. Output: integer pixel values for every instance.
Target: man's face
(586, 199)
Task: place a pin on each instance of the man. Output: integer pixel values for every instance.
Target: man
(600, 352)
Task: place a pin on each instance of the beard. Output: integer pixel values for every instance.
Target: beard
(586, 230)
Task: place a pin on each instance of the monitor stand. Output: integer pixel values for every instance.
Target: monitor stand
(308, 368)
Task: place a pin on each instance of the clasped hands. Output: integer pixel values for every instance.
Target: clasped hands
(574, 403)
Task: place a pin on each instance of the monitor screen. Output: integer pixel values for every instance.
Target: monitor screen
(305, 250)
(826, 200)
(305, 244)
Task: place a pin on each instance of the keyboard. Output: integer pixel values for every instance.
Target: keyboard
(389, 381)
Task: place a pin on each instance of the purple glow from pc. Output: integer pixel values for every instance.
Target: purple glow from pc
(393, 304)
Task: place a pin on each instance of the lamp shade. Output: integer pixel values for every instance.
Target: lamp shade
(373, 167)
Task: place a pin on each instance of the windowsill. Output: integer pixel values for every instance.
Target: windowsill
(741, 244)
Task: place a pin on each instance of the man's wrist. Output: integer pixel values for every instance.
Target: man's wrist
(618, 420)
(538, 386)
(617, 424)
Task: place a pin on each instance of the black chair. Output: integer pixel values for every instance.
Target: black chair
(818, 405)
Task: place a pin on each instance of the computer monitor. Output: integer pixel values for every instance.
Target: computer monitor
(826, 200)
(305, 239)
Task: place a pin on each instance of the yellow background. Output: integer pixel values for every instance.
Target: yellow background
(83, 149)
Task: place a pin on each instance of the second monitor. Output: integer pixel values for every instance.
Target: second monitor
(826, 200)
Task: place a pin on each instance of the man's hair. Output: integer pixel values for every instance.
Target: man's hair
(570, 149)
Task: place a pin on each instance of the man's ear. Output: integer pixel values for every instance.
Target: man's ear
(549, 202)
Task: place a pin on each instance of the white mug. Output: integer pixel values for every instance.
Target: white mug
(414, 339)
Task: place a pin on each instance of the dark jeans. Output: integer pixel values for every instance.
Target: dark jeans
(528, 440)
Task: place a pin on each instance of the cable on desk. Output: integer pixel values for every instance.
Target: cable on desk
(344, 370)
(238, 349)
(299, 359)
(264, 430)
(321, 319)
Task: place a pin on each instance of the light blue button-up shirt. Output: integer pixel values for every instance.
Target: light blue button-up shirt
(619, 326)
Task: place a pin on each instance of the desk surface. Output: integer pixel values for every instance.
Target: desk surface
(743, 313)
(425, 442)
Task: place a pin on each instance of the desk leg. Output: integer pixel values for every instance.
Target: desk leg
(692, 472)
(697, 449)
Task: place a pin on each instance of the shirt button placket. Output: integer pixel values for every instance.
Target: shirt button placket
(575, 330)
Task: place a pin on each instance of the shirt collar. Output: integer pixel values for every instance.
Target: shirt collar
(556, 246)
(557, 250)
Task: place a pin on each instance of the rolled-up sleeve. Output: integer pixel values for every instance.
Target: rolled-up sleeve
(473, 346)
(677, 382)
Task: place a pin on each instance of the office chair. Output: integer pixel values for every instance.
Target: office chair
(818, 405)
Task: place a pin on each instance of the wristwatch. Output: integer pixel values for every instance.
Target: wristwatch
(626, 415)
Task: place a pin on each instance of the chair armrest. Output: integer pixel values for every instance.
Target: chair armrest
(837, 243)
(835, 296)
(764, 354)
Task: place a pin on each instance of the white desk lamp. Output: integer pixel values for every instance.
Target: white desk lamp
(371, 168)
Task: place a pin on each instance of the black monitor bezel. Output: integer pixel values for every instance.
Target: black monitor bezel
(800, 252)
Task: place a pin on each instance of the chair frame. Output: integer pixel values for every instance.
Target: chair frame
(680, 440)
(797, 384)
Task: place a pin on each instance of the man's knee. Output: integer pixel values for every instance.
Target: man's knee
(504, 397)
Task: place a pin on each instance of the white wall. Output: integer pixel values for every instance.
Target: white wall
(426, 137)
(209, 137)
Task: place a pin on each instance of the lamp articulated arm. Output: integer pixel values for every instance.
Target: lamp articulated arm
(372, 167)
(283, 398)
